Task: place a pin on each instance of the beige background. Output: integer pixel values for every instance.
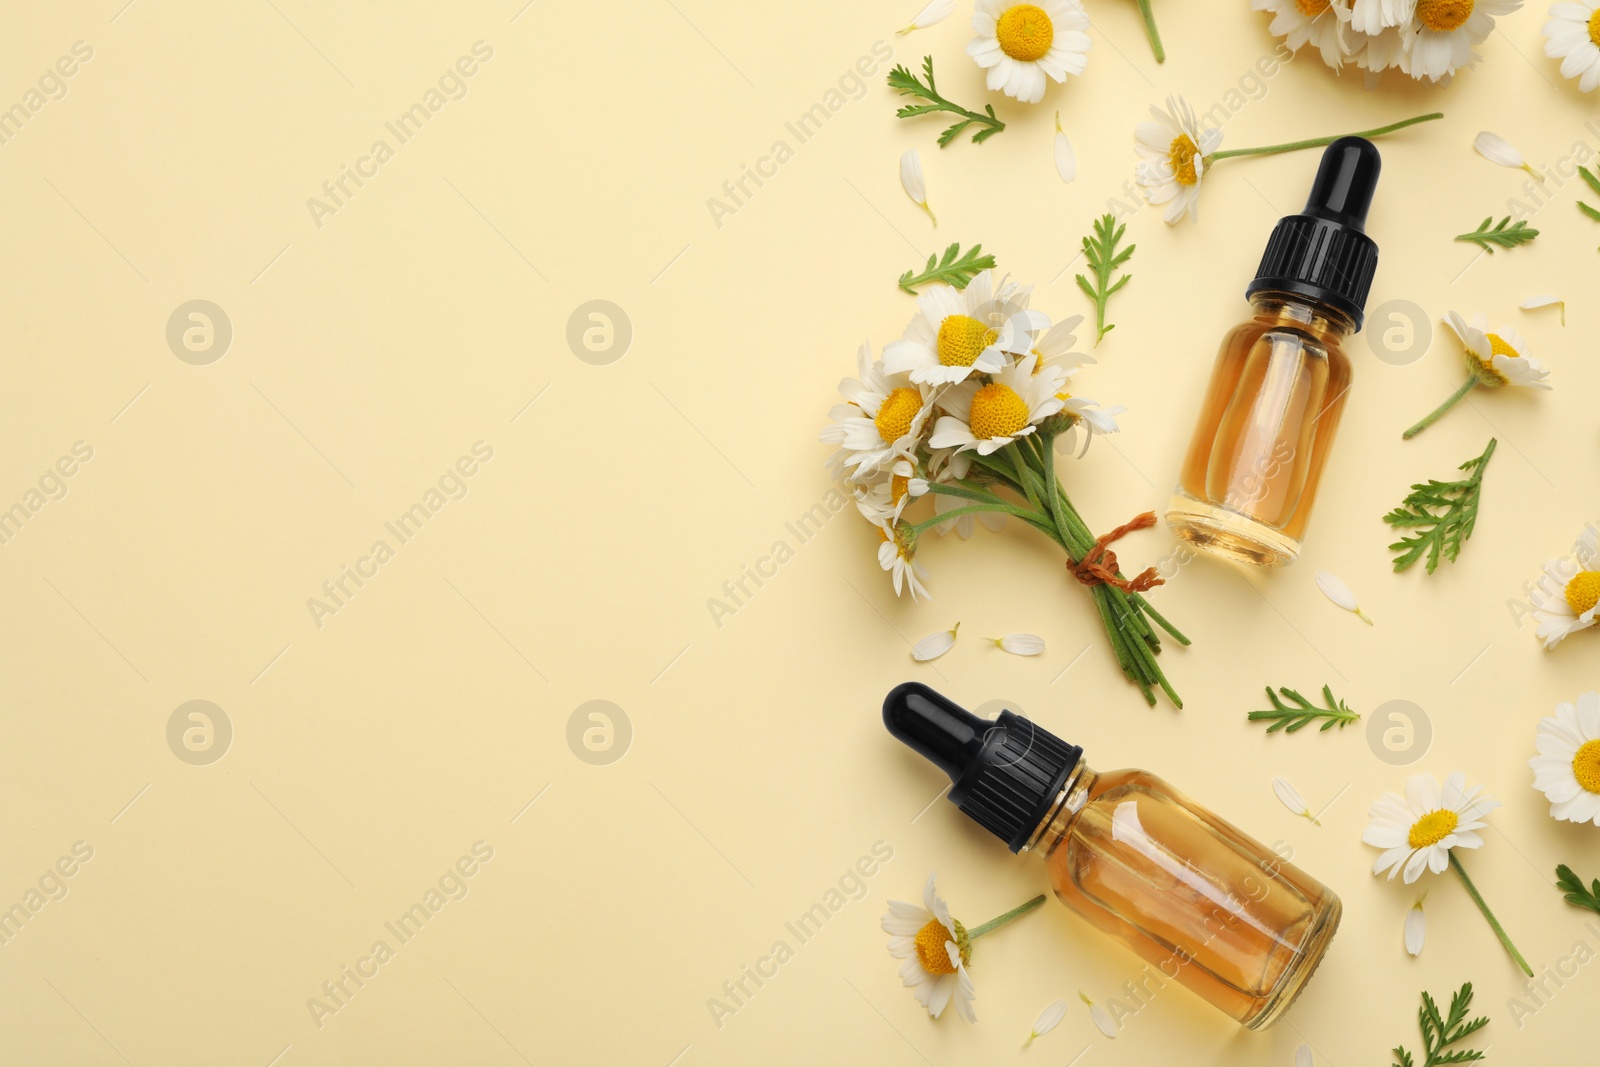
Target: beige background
(430, 311)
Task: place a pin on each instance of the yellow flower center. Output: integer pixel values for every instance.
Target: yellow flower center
(997, 411)
(931, 951)
(1485, 369)
(1586, 766)
(1025, 33)
(1443, 15)
(896, 413)
(1594, 27)
(1583, 592)
(1181, 156)
(1432, 828)
(899, 485)
(962, 340)
(1312, 8)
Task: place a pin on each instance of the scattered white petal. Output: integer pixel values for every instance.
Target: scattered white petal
(1334, 588)
(1099, 1016)
(1066, 158)
(935, 645)
(1292, 799)
(1544, 300)
(936, 12)
(1047, 1020)
(1302, 1057)
(1020, 644)
(1497, 149)
(1415, 928)
(911, 179)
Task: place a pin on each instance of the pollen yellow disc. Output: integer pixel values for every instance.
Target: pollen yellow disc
(1181, 156)
(896, 412)
(1586, 766)
(1583, 592)
(930, 947)
(1594, 27)
(1443, 15)
(1432, 828)
(1312, 8)
(997, 411)
(1025, 33)
(962, 340)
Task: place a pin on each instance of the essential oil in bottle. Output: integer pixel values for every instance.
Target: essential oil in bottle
(1204, 904)
(1281, 378)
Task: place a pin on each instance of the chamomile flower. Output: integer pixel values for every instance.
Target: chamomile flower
(1172, 152)
(1567, 768)
(1573, 36)
(986, 418)
(1417, 831)
(1021, 45)
(898, 556)
(881, 420)
(957, 333)
(1563, 606)
(1442, 34)
(896, 488)
(936, 951)
(1318, 22)
(1493, 360)
(1371, 16)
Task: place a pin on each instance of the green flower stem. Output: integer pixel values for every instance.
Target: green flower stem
(1151, 31)
(1000, 920)
(1433, 417)
(1144, 606)
(1487, 914)
(1318, 142)
(972, 509)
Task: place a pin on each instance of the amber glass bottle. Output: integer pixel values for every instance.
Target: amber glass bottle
(1279, 385)
(1202, 903)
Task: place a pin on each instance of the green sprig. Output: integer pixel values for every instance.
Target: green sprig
(1443, 513)
(1300, 712)
(1101, 253)
(1569, 883)
(1503, 235)
(1440, 1032)
(956, 268)
(905, 83)
(1592, 180)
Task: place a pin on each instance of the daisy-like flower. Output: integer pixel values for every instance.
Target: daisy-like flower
(898, 556)
(1442, 34)
(1563, 606)
(1173, 153)
(1573, 36)
(1493, 360)
(1567, 768)
(884, 500)
(957, 333)
(1374, 53)
(1417, 831)
(881, 420)
(1373, 16)
(1318, 22)
(1020, 45)
(986, 418)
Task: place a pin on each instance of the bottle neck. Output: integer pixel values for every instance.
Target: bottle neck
(1293, 311)
(1064, 811)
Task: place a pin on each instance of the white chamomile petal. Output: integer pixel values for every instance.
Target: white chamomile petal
(1544, 300)
(935, 13)
(1020, 644)
(1302, 1057)
(912, 181)
(1497, 149)
(1066, 158)
(1567, 768)
(1334, 588)
(1416, 929)
(1290, 798)
(1099, 1016)
(1416, 832)
(1047, 1021)
(935, 645)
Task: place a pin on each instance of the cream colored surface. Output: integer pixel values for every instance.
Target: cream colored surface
(371, 752)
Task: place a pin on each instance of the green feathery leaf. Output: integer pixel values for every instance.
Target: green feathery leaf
(1443, 512)
(956, 268)
(1101, 253)
(1440, 1032)
(1503, 235)
(1569, 883)
(1300, 712)
(905, 83)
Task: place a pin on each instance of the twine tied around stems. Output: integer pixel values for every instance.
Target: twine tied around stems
(1099, 564)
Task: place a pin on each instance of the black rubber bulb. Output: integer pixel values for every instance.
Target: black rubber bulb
(1345, 182)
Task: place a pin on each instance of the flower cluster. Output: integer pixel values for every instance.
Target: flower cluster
(1425, 39)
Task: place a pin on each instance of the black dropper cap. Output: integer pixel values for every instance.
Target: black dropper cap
(1324, 253)
(1005, 774)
